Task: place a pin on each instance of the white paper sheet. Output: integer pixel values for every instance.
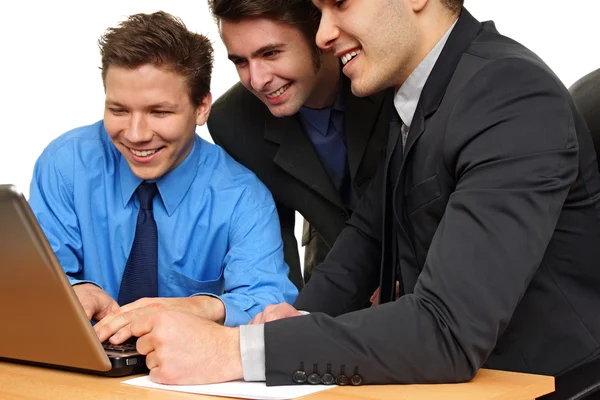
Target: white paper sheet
(240, 389)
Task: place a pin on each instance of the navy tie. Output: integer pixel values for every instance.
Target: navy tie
(140, 278)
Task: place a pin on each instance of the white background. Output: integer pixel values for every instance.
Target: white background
(50, 81)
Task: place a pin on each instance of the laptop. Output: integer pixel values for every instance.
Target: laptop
(41, 319)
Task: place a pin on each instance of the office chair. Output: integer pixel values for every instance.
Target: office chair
(583, 383)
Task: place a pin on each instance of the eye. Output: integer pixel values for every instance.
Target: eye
(161, 113)
(339, 3)
(271, 53)
(239, 62)
(116, 111)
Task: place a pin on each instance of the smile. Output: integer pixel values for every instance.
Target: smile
(349, 56)
(278, 92)
(143, 153)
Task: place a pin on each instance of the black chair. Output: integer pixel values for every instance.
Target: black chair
(583, 382)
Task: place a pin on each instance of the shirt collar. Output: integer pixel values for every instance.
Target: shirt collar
(172, 186)
(407, 97)
(319, 118)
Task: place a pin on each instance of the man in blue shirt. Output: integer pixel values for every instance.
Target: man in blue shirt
(205, 239)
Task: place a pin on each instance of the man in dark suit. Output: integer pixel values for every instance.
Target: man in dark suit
(293, 121)
(486, 211)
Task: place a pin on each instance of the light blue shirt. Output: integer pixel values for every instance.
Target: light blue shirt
(218, 229)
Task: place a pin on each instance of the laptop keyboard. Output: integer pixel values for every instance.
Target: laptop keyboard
(125, 347)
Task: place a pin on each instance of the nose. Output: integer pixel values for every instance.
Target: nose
(328, 32)
(138, 130)
(260, 75)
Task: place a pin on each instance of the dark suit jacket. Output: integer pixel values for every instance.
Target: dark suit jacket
(586, 95)
(282, 156)
(492, 216)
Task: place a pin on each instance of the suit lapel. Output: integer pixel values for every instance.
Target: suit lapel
(464, 32)
(298, 157)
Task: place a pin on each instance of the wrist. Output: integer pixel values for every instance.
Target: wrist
(209, 307)
(235, 354)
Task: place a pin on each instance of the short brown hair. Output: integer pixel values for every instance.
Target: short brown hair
(162, 40)
(453, 5)
(299, 13)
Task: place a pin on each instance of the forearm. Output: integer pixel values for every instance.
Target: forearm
(376, 343)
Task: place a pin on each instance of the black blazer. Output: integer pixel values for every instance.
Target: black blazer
(586, 95)
(492, 215)
(282, 156)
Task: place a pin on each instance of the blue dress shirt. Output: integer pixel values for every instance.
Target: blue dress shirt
(218, 229)
(326, 129)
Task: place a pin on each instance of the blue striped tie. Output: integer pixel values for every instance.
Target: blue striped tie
(140, 278)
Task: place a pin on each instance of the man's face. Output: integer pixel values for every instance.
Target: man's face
(150, 118)
(375, 40)
(274, 61)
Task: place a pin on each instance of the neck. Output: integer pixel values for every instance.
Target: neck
(431, 26)
(327, 85)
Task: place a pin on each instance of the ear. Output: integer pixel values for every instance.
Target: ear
(203, 109)
(417, 5)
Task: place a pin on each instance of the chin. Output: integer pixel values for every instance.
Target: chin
(146, 174)
(283, 110)
(359, 89)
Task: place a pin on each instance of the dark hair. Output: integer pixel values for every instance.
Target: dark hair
(299, 13)
(162, 40)
(453, 5)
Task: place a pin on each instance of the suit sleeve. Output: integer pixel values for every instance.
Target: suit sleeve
(350, 272)
(513, 149)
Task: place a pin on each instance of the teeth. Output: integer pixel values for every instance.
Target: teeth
(349, 56)
(144, 153)
(278, 92)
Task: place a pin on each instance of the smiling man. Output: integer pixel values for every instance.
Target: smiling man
(142, 213)
(487, 213)
(293, 121)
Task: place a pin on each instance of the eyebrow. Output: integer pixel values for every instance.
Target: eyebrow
(112, 103)
(163, 104)
(262, 50)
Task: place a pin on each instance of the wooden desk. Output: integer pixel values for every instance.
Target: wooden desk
(20, 382)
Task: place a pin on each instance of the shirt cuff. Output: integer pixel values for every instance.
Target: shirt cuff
(233, 315)
(252, 348)
(74, 282)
